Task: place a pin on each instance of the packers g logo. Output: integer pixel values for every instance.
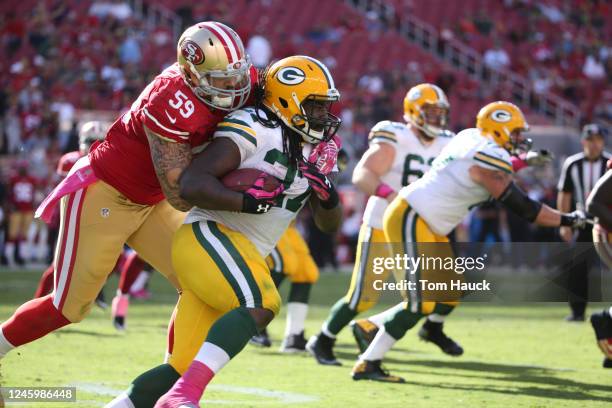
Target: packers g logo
(192, 52)
(501, 116)
(291, 75)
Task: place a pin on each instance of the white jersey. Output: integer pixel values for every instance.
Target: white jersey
(412, 160)
(446, 193)
(260, 148)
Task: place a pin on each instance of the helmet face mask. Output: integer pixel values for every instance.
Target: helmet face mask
(224, 90)
(316, 123)
(300, 91)
(426, 108)
(214, 65)
(519, 143)
(434, 118)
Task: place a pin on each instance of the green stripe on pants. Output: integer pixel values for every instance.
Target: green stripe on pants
(242, 265)
(219, 262)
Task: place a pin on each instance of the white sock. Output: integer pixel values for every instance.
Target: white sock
(140, 281)
(610, 311)
(379, 347)
(296, 318)
(121, 401)
(5, 346)
(436, 318)
(326, 331)
(380, 318)
(214, 357)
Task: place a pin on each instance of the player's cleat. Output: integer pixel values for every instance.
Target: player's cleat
(119, 323)
(294, 343)
(119, 311)
(101, 301)
(575, 318)
(602, 324)
(262, 339)
(364, 332)
(322, 349)
(433, 332)
(372, 370)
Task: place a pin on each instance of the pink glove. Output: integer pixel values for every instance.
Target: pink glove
(321, 185)
(257, 200)
(325, 155)
(518, 163)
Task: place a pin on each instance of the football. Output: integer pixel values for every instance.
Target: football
(242, 179)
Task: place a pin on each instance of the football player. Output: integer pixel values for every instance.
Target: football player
(599, 204)
(126, 190)
(473, 167)
(399, 154)
(219, 253)
(22, 187)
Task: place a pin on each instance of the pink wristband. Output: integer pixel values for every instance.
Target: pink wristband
(517, 163)
(383, 190)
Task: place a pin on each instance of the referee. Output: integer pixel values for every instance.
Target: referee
(580, 173)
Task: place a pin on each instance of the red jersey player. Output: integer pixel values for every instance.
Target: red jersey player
(22, 187)
(126, 190)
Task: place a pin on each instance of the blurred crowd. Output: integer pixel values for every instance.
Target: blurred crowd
(61, 58)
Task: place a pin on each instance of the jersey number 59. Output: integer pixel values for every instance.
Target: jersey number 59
(182, 103)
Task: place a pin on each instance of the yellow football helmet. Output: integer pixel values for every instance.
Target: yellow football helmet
(91, 131)
(426, 107)
(214, 65)
(299, 90)
(503, 122)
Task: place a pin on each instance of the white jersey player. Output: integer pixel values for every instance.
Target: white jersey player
(474, 167)
(398, 155)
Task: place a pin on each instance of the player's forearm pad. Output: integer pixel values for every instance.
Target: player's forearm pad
(519, 203)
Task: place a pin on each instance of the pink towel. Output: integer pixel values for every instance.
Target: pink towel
(80, 176)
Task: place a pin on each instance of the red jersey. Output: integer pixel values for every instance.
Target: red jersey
(168, 107)
(66, 162)
(21, 192)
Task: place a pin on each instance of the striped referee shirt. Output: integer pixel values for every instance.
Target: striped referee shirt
(579, 175)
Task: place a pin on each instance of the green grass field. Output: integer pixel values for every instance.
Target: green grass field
(516, 356)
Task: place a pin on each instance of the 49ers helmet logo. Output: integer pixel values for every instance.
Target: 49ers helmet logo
(501, 116)
(291, 75)
(192, 52)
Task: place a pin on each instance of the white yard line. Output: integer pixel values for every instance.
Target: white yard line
(275, 397)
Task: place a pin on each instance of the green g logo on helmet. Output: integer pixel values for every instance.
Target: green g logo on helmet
(291, 75)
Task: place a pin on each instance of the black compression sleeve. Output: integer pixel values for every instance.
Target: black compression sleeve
(519, 203)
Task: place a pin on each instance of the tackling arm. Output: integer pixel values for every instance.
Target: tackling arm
(600, 199)
(375, 163)
(169, 159)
